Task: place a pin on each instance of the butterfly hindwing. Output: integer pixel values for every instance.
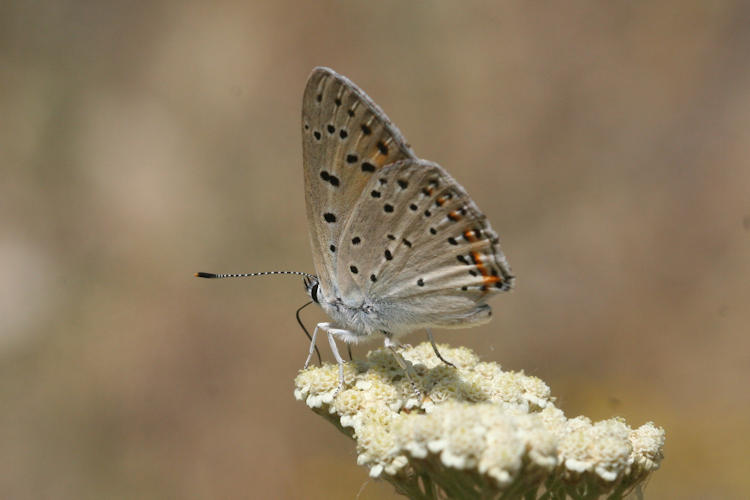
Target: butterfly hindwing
(347, 139)
(415, 234)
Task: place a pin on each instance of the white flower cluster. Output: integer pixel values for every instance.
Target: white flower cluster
(479, 429)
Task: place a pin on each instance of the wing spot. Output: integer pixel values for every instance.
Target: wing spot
(332, 179)
(463, 260)
(356, 240)
(375, 194)
(329, 217)
(343, 134)
(332, 248)
(464, 288)
(373, 278)
(366, 130)
(388, 207)
(367, 167)
(433, 230)
(307, 126)
(350, 158)
(317, 135)
(383, 181)
(388, 255)
(454, 216)
(319, 97)
(382, 148)
(391, 237)
(350, 112)
(452, 241)
(427, 213)
(420, 282)
(413, 207)
(473, 272)
(353, 269)
(407, 243)
(331, 129)
(337, 102)
(403, 184)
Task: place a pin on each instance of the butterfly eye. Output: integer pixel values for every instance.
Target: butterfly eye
(314, 293)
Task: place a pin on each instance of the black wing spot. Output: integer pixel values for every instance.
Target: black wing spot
(337, 102)
(329, 217)
(373, 278)
(324, 175)
(307, 126)
(382, 148)
(375, 194)
(331, 129)
(350, 158)
(433, 230)
(473, 272)
(427, 213)
(343, 134)
(356, 240)
(317, 135)
(333, 180)
(464, 288)
(388, 255)
(332, 248)
(413, 207)
(404, 184)
(388, 207)
(391, 237)
(367, 167)
(319, 97)
(353, 269)
(383, 181)
(463, 260)
(366, 130)
(407, 243)
(420, 282)
(452, 241)
(350, 112)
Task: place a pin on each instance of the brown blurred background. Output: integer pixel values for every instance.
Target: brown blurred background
(606, 141)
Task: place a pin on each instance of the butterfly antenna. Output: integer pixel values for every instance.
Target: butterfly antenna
(299, 320)
(248, 275)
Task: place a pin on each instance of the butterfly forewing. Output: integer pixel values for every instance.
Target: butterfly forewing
(347, 140)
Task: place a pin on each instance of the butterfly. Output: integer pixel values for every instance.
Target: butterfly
(397, 244)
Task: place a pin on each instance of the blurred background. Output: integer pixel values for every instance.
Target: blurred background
(141, 142)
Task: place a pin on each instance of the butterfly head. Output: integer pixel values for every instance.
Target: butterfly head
(312, 287)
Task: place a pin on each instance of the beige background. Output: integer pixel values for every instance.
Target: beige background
(606, 141)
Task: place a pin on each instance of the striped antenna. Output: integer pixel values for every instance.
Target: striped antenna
(247, 275)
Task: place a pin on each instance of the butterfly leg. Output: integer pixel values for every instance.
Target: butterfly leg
(435, 348)
(323, 326)
(331, 340)
(408, 369)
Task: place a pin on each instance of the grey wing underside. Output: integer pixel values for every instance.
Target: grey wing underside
(346, 139)
(429, 251)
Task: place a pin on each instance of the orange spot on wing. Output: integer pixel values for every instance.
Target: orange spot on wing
(470, 236)
(487, 278)
(454, 216)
